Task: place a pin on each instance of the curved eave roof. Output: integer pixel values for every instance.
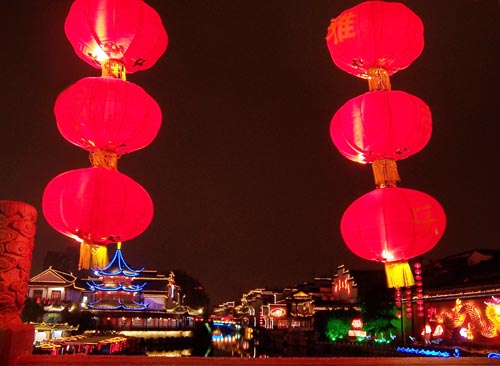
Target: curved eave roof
(117, 305)
(102, 287)
(117, 266)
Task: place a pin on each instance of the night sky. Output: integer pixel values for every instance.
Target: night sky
(247, 186)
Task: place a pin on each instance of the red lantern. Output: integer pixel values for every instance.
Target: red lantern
(129, 31)
(392, 225)
(375, 34)
(107, 113)
(381, 125)
(97, 205)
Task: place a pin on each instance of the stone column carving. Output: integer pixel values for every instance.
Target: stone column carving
(17, 233)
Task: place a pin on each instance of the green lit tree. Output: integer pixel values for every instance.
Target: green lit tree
(337, 328)
(379, 314)
(381, 324)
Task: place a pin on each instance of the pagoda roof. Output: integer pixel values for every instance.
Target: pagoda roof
(109, 304)
(93, 286)
(117, 266)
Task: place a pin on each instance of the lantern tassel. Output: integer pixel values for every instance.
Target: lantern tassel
(104, 158)
(399, 275)
(378, 79)
(92, 256)
(385, 173)
(114, 68)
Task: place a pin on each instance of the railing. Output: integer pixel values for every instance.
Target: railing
(82, 360)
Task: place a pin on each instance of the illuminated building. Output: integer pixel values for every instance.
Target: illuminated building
(125, 299)
(54, 287)
(119, 297)
(461, 300)
(116, 290)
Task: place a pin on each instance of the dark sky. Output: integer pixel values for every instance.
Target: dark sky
(247, 185)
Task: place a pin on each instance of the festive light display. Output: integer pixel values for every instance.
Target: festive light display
(108, 117)
(374, 40)
(428, 352)
(472, 318)
(417, 270)
(116, 290)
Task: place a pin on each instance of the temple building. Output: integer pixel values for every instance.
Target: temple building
(122, 298)
(117, 296)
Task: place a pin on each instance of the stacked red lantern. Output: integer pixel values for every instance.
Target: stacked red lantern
(373, 40)
(107, 116)
(417, 270)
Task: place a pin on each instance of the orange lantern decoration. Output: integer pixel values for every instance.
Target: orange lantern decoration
(392, 225)
(126, 34)
(107, 113)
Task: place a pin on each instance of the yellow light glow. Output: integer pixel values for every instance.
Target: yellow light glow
(76, 238)
(99, 54)
(387, 255)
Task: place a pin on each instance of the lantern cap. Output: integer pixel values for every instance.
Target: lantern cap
(128, 31)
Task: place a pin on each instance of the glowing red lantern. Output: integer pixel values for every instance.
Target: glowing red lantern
(107, 113)
(375, 34)
(381, 125)
(97, 205)
(392, 225)
(129, 31)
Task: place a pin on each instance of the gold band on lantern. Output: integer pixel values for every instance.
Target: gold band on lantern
(104, 159)
(92, 256)
(114, 68)
(378, 79)
(385, 173)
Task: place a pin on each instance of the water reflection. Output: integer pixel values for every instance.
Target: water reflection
(231, 339)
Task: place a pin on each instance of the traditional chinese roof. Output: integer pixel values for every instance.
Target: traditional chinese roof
(53, 326)
(114, 287)
(54, 277)
(110, 304)
(476, 267)
(181, 309)
(51, 275)
(117, 266)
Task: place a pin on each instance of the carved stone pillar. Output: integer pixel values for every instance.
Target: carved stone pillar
(17, 232)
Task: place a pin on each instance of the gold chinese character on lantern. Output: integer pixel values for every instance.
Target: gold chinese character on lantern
(341, 28)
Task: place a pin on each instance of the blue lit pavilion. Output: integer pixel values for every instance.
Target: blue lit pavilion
(116, 292)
